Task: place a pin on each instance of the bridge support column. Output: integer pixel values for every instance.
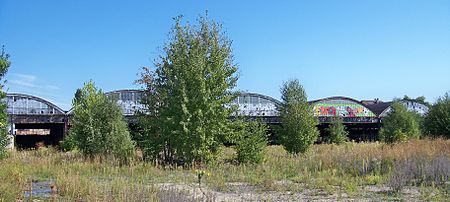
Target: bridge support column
(66, 126)
(10, 136)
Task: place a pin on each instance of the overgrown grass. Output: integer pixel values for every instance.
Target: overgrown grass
(326, 169)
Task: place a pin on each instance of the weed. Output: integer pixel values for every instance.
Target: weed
(326, 169)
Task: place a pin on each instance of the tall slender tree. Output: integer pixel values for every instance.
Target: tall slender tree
(189, 95)
(299, 129)
(4, 138)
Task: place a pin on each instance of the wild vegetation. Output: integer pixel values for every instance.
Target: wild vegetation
(250, 141)
(399, 125)
(413, 170)
(437, 121)
(298, 125)
(336, 132)
(182, 133)
(185, 119)
(98, 128)
(4, 140)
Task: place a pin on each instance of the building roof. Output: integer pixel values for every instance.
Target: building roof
(376, 106)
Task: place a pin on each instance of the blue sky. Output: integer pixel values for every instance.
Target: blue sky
(361, 49)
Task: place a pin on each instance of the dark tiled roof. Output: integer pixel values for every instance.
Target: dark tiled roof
(376, 107)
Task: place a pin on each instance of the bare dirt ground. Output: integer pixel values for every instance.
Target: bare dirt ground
(247, 192)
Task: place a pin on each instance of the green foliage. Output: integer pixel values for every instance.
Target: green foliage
(336, 132)
(4, 138)
(420, 99)
(419, 118)
(189, 95)
(299, 130)
(399, 125)
(437, 122)
(420, 122)
(424, 164)
(98, 127)
(67, 144)
(251, 141)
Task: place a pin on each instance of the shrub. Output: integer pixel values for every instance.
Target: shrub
(299, 130)
(98, 126)
(251, 141)
(399, 125)
(336, 132)
(67, 144)
(437, 122)
(4, 138)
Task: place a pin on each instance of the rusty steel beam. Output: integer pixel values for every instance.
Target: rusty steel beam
(23, 118)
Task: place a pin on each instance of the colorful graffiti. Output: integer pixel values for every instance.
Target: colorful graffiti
(342, 110)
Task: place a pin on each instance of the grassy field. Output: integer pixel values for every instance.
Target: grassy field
(417, 170)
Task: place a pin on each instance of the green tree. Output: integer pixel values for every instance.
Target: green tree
(420, 99)
(437, 121)
(250, 140)
(189, 95)
(4, 138)
(419, 118)
(98, 128)
(399, 125)
(336, 132)
(299, 129)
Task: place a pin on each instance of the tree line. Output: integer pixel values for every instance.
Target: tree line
(188, 99)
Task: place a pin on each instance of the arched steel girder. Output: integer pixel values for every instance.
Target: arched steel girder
(129, 100)
(421, 108)
(14, 96)
(256, 105)
(124, 91)
(335, 98)
(349, 108)
(275, 101)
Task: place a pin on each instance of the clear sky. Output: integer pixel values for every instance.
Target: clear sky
(361, 49)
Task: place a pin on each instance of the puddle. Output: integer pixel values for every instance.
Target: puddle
(40, 189)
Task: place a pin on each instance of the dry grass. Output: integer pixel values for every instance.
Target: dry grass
(331, 169)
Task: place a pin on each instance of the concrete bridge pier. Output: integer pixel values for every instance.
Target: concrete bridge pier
(11, 133)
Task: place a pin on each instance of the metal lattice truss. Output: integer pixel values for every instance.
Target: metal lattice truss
(411, 106)
(340, 106)
(23, 104)
(257, 105)
(128, 100)
(249, 105)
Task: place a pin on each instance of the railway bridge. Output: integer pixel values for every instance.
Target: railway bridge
(36, 120)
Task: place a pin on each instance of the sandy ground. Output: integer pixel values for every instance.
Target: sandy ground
(246, 192)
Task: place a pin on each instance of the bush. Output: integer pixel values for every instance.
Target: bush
(67, 144)
(437, 122)
(336, 132)
(3, 143)
(399, 125)
(299, 129)
(251, 141)
(4, 138)
(98, 126)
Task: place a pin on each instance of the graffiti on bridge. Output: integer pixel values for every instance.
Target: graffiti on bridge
(342, 110)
